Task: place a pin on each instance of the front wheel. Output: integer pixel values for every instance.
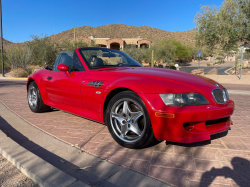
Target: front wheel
(35, 100)
(128, 121)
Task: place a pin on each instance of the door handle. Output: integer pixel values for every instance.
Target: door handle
(49, 78)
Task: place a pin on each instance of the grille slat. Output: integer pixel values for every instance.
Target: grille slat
(217, 121)
(218, 96)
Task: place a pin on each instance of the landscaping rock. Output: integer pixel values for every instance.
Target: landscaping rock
(198, 72)
(245, 64)
(213, 71)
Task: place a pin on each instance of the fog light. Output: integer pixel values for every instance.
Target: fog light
(164, 115)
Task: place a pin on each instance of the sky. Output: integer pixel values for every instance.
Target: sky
(33, 17)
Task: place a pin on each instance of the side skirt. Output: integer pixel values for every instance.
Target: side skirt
(90, 115)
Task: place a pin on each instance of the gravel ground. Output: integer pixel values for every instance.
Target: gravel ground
(10, 176)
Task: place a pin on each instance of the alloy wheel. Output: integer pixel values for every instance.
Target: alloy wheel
(128, 120)
(32, 97)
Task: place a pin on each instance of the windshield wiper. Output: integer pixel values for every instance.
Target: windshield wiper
(133, 66)
(105, 66)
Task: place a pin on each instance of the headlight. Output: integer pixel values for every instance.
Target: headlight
(184, 99)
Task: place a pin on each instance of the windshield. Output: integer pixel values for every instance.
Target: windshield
(103, 58)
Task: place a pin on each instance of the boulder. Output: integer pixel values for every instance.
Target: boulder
(245, 64)
(146, 64)
(213, 71)
(198, 72)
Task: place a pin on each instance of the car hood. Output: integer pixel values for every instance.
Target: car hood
(167, 75)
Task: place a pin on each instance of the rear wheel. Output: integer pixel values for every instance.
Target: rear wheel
(128, 121)
(35, 100)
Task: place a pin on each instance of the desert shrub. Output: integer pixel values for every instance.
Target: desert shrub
(6, 62)
(18, 56)
(208, 64)
(247, 54)
(68, 45)
(172, 67)
(139, 54)
(18, 72)
(164, 52)
(43, 50)
(220, 60)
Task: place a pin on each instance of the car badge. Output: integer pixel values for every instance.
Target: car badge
(217, 85)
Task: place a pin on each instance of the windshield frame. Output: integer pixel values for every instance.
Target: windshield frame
(128, 58)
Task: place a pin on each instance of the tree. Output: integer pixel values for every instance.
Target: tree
(223, 27)
(165, 52)
(181, 51)
(68, 45)
(43, 50)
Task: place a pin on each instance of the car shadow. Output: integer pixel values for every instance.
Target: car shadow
(51, 158)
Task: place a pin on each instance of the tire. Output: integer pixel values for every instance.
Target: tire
(35, 100)
(128, 121)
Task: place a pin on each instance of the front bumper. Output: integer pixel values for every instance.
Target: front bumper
(187, 124)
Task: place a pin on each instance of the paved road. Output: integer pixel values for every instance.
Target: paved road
(221, 69)
(223, 161)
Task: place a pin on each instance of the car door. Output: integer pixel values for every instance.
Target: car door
(63, 88)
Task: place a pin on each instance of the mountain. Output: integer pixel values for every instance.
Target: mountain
(6, 42)
(125, 31)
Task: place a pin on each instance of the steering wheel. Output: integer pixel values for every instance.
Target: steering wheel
(119, 64)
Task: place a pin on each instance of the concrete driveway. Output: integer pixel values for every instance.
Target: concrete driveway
(223, 161)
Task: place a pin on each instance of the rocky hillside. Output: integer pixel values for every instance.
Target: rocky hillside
(125, 31)
(5, 42)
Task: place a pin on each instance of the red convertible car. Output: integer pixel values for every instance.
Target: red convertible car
(138, 104)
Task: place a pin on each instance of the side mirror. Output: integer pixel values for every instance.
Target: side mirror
(64, 68)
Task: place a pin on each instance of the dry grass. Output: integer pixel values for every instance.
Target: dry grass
(34, 68)
(18, 72)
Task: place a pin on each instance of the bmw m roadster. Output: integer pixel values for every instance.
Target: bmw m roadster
(138, 104)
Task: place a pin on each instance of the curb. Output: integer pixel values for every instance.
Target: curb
(13, 78)
(228, 70)
(49, 162)
(42, 173)
(239, 92)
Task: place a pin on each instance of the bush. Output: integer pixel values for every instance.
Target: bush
(219, 60)
(67, 45)
(6, 63)
(139, 54)
(43, 50)
(172, 67)
(247, 55)
(164, 52)
(18, 72)
(18, 56)
(208, 64)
